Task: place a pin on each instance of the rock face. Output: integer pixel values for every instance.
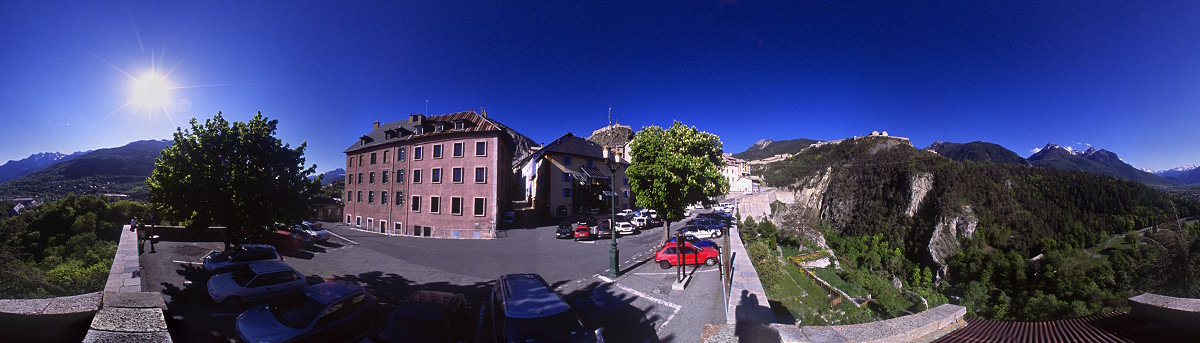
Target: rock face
(951, 228)
(920, 184)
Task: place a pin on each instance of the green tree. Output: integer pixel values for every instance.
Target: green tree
(236, 175)
(674, 167)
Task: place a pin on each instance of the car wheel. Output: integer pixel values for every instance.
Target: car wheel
(710, 261)
(232, 301)
(664, 264)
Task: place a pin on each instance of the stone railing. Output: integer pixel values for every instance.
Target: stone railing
(1181, 313)
(748, 301)
(127, 314)
(921, 327)
(52, 319)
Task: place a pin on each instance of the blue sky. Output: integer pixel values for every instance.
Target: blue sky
(1121, 76)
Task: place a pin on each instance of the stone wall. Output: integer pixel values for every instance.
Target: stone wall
(1181, 313)
(52, 319)
(747, 299)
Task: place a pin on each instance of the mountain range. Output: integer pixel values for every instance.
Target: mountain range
(766, 148)
(29, 165)
(1094, 161)
(1189, 175)
(114, 170)
(327, 178)
(977, 151)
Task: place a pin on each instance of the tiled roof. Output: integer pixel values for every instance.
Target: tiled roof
(1110, 327)
(570, 144)
(407, 129)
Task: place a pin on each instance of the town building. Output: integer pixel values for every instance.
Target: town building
(327, 209)
(569, 176)
(737, 173)
(445, 176)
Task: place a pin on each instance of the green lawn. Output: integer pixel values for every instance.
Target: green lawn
(802, 300)
(831, 276)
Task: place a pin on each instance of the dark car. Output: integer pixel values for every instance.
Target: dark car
(326, 312)
(240, 255)
(566, 228)
(428, 316)
(526, 309)
(703, 243)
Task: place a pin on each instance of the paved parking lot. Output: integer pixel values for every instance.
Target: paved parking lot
(639, 306)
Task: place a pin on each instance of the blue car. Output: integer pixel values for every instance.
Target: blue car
(703, 243)
(327, 312)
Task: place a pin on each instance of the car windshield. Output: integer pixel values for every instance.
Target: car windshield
(242, 276)
(296, 311)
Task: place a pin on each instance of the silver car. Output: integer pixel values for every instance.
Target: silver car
(240, 255)
(254, 282)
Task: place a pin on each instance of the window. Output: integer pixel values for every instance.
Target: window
(435, 204)
(350, 179)
(371, 179)
(459, 125)
(357, 221)
(382, 226)
(370, 222)
(589, 164)
(566, 160)
(456, 206)
(436, 177)
(385, 156)
(372, 158)
(370, 197)
(456, 175)
(399, 175)
(481, 148)
(349, 197)
(626, 194)
(480, 174)
(566, 177)
(626, 181)
(359, 196)
(400, 154)
(567, 192)
(480, 206)
(458, 149)
(360, 178)
(347, 219)
(416, 203)
(437, 151)
(360, 158)
(383, 198)
(418, 152)
(384, 179)
(399, 198)
(349, 163)
(416, 176)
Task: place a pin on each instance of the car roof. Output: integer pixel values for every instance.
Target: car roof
(528, 296)
(249, 247)
(328, 292)
(269, 266)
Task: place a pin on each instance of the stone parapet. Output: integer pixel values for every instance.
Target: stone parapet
(125, 273)
(747, 299)
(1180, 313)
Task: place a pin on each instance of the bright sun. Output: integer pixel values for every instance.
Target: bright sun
(151, 91)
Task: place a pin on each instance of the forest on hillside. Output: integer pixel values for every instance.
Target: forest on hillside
(64, 247)
(1049, 244)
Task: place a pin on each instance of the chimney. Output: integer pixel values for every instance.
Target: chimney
(375, 126)
(484, 112)
(416, 118)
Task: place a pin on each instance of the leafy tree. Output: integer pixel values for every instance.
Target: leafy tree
(236, 175)
(675, 167)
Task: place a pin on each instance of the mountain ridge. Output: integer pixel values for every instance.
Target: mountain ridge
(34, 163)
(1094, 161)
(122, 169)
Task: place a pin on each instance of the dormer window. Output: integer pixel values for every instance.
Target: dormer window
(459, 125)
(441, 127)
(420, 130)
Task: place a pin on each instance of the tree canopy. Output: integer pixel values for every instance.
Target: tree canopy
(237, 175)
(675, 167)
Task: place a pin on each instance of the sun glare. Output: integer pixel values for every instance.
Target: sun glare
(151, 91)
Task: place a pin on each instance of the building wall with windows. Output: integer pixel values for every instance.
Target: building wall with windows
(440, 176)
(569, 176)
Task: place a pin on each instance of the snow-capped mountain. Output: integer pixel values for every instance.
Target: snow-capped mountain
(33, 163)
(1187, 175)
(1092, 160)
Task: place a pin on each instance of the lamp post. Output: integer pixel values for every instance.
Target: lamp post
(610, 160)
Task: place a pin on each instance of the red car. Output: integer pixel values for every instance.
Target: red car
(582, 231)
(667, 255)
(284, 240)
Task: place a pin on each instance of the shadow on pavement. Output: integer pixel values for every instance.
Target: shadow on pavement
(191, 315)
(600, 306)
(748, 327)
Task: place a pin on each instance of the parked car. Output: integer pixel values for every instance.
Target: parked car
(526, 309)
(327, 312)
(667, 255)
(565, 231)
(583, 232)
(703, 243)
(284, 240)
(309, 234)
(625, 228)
(650, 213)
(256, 281)
(427, 316)
(239, 255)
(699, 231)
(640, 222)
(602, 228)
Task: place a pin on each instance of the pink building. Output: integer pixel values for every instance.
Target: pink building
(443, 176)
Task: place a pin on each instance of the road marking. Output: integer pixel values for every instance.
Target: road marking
(673, 273)
(343, 238)
(673, 306)
(186, 262)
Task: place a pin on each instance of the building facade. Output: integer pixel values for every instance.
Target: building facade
(569, 176)
(445, 176)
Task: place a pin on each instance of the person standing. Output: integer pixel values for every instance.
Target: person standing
(132, 223)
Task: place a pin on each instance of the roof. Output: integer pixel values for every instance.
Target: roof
(257, 247)
(528, 296)
(329, 292)
(1110, 327)
(269, 266)
(568, 144)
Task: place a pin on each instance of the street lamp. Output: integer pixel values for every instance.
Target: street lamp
(610, 160)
